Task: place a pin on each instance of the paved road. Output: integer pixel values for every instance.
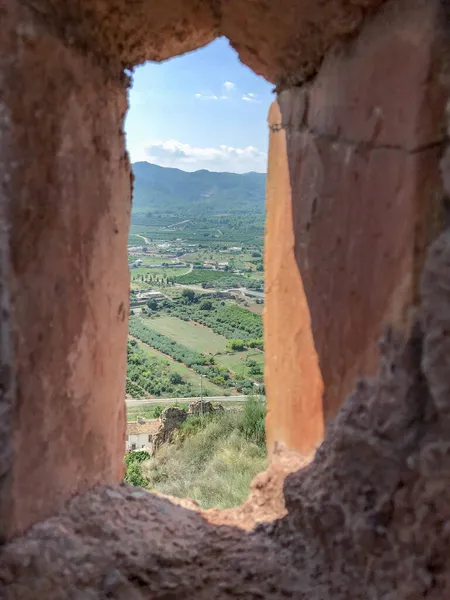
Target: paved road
(139, 402)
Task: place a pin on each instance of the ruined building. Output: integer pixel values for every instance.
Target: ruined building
(357, 201)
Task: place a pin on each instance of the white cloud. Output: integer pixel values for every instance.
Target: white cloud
(207, 96)
(227, 88)
(250, 97)
(173, 153)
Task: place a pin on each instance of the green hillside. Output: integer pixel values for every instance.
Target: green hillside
(161, 189)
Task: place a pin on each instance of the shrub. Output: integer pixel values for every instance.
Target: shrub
(236, 345)
(206, 305)
(253, 421)
(136, 457)
(133, 473)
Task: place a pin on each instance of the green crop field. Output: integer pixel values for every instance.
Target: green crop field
(153, 260)
(203, 340)
(237, 362)
(188, 375)
(234, 360)
(202, 276)
(196, 337)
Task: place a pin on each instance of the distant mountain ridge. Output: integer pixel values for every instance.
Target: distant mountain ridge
(164, 189)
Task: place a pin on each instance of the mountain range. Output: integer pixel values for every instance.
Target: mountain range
(163, 189)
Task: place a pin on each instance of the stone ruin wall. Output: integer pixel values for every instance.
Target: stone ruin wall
(357, 189)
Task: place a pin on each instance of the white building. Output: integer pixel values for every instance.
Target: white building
(149, 294)
(140, 435)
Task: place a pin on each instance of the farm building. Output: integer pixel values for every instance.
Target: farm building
(150, 294)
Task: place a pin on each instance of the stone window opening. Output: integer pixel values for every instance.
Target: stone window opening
(223, 97)
(358, 141)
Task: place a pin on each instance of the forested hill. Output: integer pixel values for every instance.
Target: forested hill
(162, 189)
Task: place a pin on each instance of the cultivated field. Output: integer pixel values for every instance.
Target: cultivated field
(236, 362)
(187, 374)
(196, 337)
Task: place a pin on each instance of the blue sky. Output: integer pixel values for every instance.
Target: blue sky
(203, 110)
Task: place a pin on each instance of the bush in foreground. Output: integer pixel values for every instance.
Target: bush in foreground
(213, 458)
(133, 473)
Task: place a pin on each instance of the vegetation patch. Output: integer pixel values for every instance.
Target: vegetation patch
(199, 339)
(188, 375)
(134, 240)
(244, 365)
(164, 344)
(213, 458)
(203, 365)
(218, 279)
(153, 375)
(227, 319)
(133, 464)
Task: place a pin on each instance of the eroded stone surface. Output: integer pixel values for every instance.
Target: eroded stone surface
(171, 418)
(123, 34)
(368, 517)
(362, 197)
(65, 200)
(284, 41)
(293, 380)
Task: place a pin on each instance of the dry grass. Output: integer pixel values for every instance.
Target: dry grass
(212, 460)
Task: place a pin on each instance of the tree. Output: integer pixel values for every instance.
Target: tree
(236, 345)
(133, 475)
(176, 379)
(206, 305)
(188, 296)
(152, 304)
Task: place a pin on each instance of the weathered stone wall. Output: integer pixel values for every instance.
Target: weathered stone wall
(293, 379)
(283, 41)
(354, 198)
(64, 213)
(65, 203)
(367, 518)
